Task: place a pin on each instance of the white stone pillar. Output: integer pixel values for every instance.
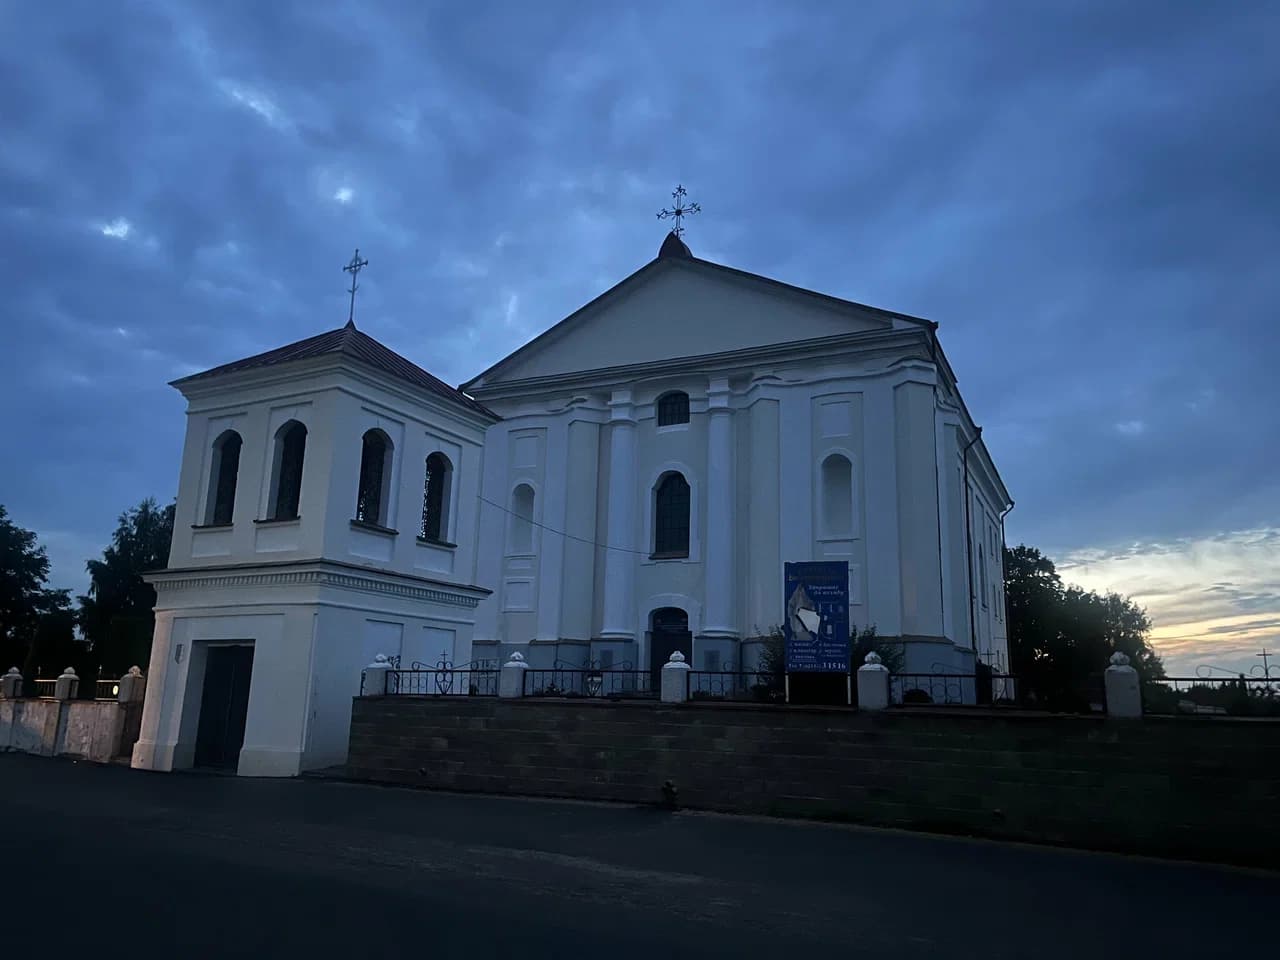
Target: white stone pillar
(873, 684)
(11, 685)
(511, 677)
(619, 563)
(675, 679)
(133, 686)
(1124, 693)
(718, 612)
(66, 686)
(375, 677)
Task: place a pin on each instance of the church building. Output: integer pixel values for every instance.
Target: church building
(627, 484)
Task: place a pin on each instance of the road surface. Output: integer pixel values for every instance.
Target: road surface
(110, 861)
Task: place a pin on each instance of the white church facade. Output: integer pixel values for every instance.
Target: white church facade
(629, 483)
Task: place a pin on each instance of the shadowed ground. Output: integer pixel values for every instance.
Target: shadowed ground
(122, 862)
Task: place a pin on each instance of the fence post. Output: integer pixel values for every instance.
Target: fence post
(375, 677)
(11, 685)
(67, 686)
(133, 686)
(873, 684)
(675, 679)
(511, 677)
(1123, 692)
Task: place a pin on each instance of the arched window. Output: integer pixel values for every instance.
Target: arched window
(671, 517)
(837, 496)
(223, 472)
(286, 473)
(673, 408)
(522, 519)
(373, 497)
(435, 498)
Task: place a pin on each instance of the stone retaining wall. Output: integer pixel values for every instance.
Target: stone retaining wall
(1201, 788)
(100, 730)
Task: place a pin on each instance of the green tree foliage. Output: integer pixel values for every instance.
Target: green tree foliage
(116, 615)
(30, 613)
(1061, 636)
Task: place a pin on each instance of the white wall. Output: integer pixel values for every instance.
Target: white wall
(311, 643)
(337, 405)
(903, 538)
(806, 379)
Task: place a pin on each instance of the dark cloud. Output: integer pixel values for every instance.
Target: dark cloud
(1079, 192)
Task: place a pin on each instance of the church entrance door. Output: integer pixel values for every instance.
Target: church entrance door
(669, 632)
(224, 705)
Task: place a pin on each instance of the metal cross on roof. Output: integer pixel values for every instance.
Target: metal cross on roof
(354, 268)
(679, 210)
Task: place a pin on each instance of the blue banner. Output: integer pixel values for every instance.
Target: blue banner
(816, 625)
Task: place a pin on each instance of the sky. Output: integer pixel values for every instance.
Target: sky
(1082, 195)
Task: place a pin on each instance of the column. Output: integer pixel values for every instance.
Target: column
(883, 585)
(919, 549)
(619, 564)
(762, 519)
(718, 609)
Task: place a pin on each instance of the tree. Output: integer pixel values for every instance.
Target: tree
(827, 687)
(116, 616)
(29, 610)
(1061, 637)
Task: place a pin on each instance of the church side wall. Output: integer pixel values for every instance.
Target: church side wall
(581, 562)
(953, 500)
(759, 470)
(491, 537)
(917, 495)
(526, 445)
(604, 471)
(838, 428)
(883, 575)
(554, 451)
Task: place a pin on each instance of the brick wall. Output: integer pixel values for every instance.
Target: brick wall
(1203, 788)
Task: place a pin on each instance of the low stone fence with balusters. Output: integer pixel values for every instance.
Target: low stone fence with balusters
(48, 718)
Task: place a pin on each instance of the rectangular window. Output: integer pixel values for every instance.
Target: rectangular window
(673, 408)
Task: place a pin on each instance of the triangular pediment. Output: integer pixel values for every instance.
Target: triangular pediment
(675, 308)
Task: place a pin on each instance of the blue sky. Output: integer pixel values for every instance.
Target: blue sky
(1082, 194)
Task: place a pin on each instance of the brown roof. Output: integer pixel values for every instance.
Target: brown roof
(350, 342)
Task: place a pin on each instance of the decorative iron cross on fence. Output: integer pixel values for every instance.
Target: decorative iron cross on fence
(679, 210)
(354, 268)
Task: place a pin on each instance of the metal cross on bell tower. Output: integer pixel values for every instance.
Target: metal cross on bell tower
(679, 210)
(354, 268)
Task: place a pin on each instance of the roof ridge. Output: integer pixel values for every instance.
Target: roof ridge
(348, 341)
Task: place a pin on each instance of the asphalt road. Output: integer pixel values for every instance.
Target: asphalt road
(107, 861)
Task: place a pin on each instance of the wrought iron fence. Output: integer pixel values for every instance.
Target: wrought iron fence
(591, 683)
(757, 686)
(44, 688)
(442, 681)
(1238, 696)
(954, 689)
(106, 690)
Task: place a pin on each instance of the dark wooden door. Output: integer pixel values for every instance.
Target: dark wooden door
(224, 706)
(670, 633)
